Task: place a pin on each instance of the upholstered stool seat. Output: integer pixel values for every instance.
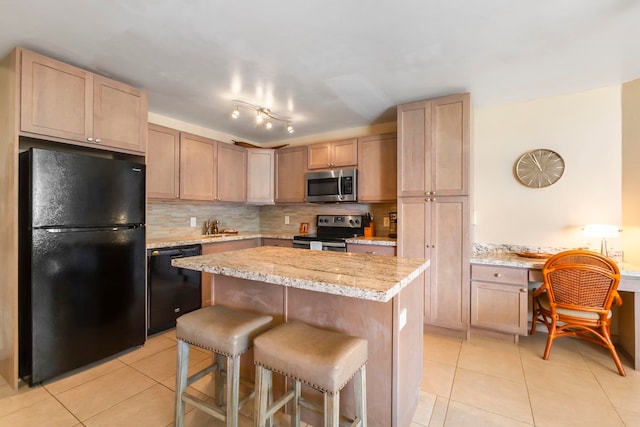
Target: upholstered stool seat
(228, 334)
(322, 359)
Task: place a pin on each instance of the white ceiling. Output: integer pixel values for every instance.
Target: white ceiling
(331, 64)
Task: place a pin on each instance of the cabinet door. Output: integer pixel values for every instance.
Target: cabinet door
(207, 278)
(197, 161)
(414, 147)
(119, 115)
(449, 270)
(498, 306)
(377, 168)
(290, 174)
(319, 156)
(260, 176)
(433, 147)
(163, 162)
(450, 145)
(56, 98)
(231, 173)
(345, 153)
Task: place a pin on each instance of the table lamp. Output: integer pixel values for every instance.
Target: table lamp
(601, 231)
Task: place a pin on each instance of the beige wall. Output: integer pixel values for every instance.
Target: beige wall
(631, 171)
(585, 128)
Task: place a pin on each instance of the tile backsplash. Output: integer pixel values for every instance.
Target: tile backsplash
(166, 219)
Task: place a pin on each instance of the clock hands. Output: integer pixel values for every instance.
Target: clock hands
(536, 162)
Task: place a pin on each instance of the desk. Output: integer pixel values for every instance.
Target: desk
(628, 314)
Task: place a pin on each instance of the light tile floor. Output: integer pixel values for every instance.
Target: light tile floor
(480, 382)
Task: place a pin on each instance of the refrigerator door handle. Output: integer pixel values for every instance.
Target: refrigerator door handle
(89, 229)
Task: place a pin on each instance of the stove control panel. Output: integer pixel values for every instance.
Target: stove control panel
(347, 221)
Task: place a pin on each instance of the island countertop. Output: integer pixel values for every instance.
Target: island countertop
(362, 276)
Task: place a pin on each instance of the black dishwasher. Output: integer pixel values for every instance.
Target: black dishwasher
(171, 291)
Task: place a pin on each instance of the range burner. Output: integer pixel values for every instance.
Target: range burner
(332, 232)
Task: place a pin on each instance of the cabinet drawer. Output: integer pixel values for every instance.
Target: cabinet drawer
(490, 273)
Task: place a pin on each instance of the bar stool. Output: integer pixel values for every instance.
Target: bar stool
(321, 359)
(228, 334)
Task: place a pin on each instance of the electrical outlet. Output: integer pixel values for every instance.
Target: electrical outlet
(403, 318)
(385, 221)
(286, 219)
(192, 223)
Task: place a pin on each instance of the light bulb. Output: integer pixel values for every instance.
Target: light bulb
(259, 118)
(236, 113)
(289, 128)
(268, 125)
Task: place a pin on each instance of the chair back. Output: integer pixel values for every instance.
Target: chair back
(581, 280)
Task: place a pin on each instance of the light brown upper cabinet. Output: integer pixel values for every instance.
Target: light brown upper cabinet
(433, 147)
(260, 176)
(197, 167)
(67, 103)
(163, 162)
(212, 170)
(231, 173)
(334, 154)
(377, 168)
(290, 174)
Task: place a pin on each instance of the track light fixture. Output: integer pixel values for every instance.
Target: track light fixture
(264, 116)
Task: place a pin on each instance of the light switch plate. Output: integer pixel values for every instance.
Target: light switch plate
(403, 318)
(385, 221)
(286, 219)
(192, 223)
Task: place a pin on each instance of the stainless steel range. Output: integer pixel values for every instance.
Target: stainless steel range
(332, 233)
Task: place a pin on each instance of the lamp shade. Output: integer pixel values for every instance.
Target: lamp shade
(601, 230)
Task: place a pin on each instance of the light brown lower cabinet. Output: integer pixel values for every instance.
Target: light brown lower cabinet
(371, 249)
(283, 243)
(499, 298)
(437, 229)
(214, 248)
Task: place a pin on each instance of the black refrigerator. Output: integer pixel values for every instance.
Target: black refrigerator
(82, 253)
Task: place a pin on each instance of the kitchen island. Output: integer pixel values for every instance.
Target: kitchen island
(375, 297)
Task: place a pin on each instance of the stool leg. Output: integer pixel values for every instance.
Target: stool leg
(233, 389)
(295, 407)
(263, 390)
(182, 367)
(360, 386)
(332, 409)
(218, 359)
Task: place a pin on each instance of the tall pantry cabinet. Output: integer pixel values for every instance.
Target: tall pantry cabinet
(433, 202)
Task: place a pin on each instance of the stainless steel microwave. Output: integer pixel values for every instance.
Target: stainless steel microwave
(339, 185)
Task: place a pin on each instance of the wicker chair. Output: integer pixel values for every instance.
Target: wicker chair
(575, 299)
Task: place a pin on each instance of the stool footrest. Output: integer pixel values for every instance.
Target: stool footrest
(198, 375)
(204, 406)
(314, 407)
(275, 406)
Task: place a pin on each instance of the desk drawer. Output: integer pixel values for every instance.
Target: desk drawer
(491, 273)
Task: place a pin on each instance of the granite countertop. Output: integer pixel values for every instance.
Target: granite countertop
(376, 241)
(363, 276)
(163, 242)
(510, 259)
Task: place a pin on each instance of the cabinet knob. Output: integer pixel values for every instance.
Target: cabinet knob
(176, 310)
(496, 274)
(523, 290)
(97, 140)
(90, 139)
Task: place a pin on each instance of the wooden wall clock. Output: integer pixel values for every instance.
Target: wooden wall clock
(539, 168)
